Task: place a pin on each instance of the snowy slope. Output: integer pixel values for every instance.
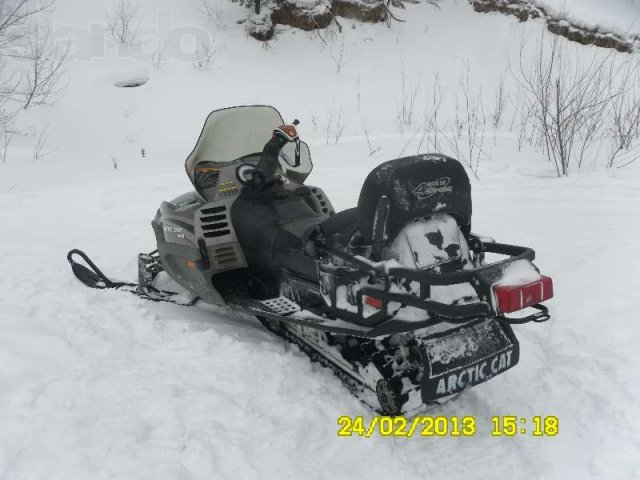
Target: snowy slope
(102, 385)
(617, 16)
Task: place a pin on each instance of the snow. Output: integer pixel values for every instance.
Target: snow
(99, 384)
(410, 249)
(519, 272)
(617, 16)
(130, 76)
(446, 349)
(307, 4)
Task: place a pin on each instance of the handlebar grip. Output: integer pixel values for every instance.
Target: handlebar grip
(288, 132)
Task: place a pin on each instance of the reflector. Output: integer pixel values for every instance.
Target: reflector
(373, 301)
(511, 298)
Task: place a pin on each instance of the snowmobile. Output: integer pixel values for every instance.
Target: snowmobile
(395, 295)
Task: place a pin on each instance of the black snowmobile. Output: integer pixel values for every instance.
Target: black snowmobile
(394, 295)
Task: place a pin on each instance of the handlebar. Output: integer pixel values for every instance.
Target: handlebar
(268, 164)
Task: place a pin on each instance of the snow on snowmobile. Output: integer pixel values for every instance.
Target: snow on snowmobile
(395, 294)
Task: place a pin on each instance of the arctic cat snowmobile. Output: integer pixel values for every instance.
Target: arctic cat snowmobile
(394, 294)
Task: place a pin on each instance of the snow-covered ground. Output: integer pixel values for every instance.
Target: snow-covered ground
(616, 16)
(102, 385)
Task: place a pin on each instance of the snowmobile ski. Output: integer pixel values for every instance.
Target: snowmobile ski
(93, 277)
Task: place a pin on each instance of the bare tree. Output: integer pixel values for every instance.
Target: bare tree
(499, 104)
(431, 124)
(14, 15)
(41, 79)
(338, 56)
(363, 123)
(466, 137)
(519, 122)
(6, 115)
(5, 141)
(204, 54)
(624, 119)
(122, 22)
(212, 12)
(31, 68)
(40, 149)
(15, 31)
(407, 104)
(566, 95)
(209, 9)
(337, 50)
(335, 127)
(159, 56)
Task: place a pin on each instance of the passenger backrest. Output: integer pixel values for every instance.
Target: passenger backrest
(416, 187)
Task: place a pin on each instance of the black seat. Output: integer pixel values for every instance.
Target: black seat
(341, 231)
(404, 189)
(338, 230)
(298, 263)
(344, 223)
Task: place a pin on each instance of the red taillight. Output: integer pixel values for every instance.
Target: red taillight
(512, 298)
(373, 301)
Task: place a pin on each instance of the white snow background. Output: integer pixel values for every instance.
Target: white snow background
(101, 385)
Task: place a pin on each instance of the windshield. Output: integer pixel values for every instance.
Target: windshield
(232, 133)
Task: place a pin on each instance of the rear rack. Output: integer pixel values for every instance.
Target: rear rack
(481, 279)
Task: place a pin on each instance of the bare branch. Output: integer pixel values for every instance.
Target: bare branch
(363, 122)
(15, 15)
(407, 105)
(40, 149)
(5, 141)
(122, 22)
(41, 80)
(335, 126)
(570, 99)
(204, 54)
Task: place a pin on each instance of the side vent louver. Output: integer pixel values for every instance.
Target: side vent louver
(215, 222)
(222, 245)
(225, 255)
